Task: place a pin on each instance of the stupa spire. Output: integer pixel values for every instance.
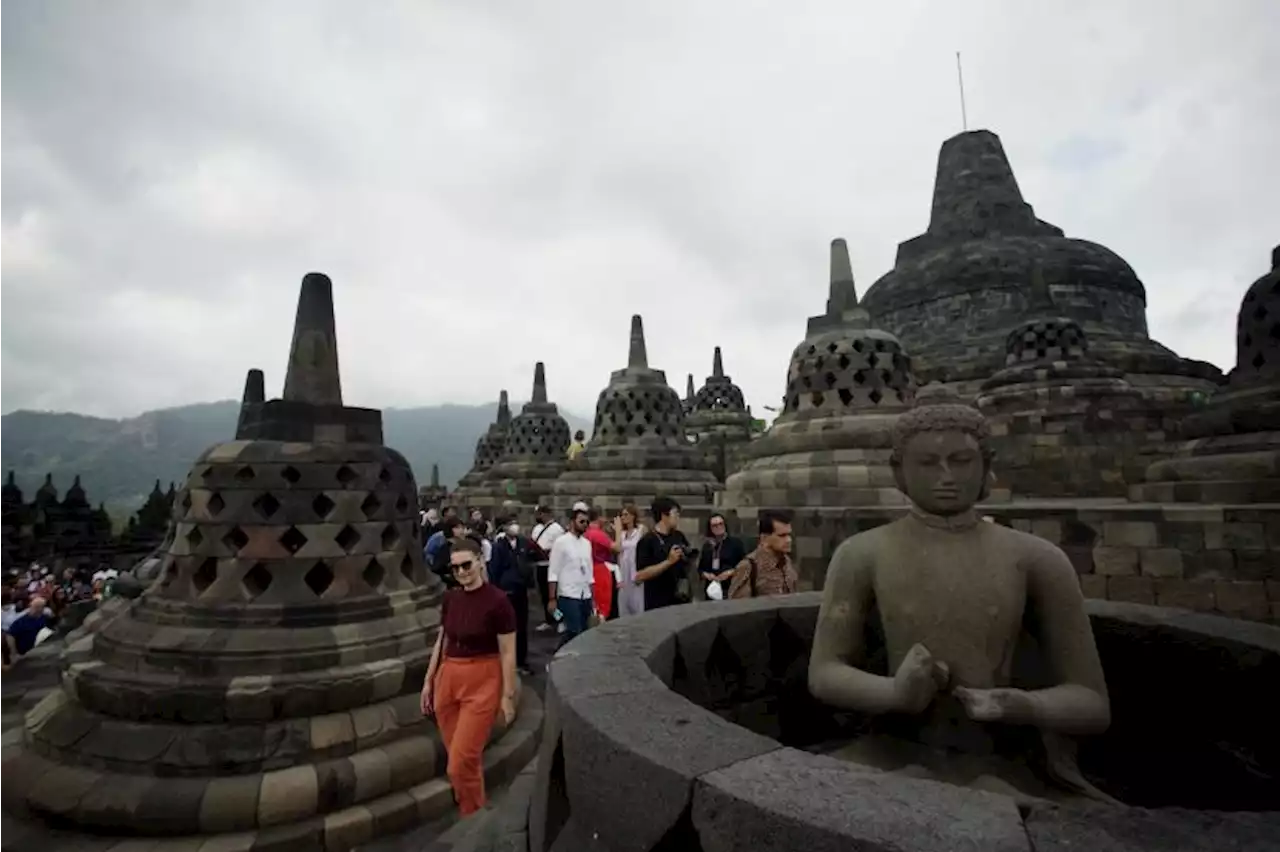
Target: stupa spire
(975, 191)
(539, 384)
(312, 376)
(638, 356)
(435, 475)
(1039, 296)
(843, 293)
(717, 365)
(689, 392)
(504, 409)
(254, 388)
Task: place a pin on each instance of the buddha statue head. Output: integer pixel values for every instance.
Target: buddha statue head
(942, 457)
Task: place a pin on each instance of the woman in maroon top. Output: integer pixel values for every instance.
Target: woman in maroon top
(472, 675)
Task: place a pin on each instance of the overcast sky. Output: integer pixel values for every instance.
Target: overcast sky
(493, 183)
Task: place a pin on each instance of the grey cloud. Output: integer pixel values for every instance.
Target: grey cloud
(494, 183)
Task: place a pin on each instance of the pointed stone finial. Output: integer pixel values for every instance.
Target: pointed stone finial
(76, 482)
(843, 293)
(435, 475)
(539, 384)
(1039, 296)
(254, 388)
(638, 356)
(689, 392)
(975, 191)
(10, 481)
(1275, 258)
(313, 358)
(155, 489)
(504, 409)
(717, 365)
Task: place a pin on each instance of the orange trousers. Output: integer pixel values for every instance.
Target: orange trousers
(467, 696)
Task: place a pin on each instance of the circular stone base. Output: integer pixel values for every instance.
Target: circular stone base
(336, 804)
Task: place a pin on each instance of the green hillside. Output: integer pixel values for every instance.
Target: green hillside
(119, 460)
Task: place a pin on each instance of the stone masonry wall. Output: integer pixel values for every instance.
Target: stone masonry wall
(1205, 558)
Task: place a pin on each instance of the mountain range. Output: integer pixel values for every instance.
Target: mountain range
(118, 461)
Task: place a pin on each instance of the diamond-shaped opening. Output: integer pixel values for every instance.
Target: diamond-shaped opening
(235, 539)
(205, 575)
(846, 396)
(832, 347)
(266, 505)
(256, 580)
(346, 476)
(1258, 361)
(876, 396)
(244, 474)
(216, 504)
(401, 503)
(818, 399)
(291, 474)
(858, 345)
(844, 362)
(859, 377)
(293, 540)
(207, 472)
(322, 505)
(830, 379)
(390, 536)
(373, 573)
(406, 568)
(319, 578)
(371, 505)
(186, 501)
(347, 538)
(384, 474)
(194, 537)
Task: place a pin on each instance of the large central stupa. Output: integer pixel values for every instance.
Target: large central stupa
(958, 289)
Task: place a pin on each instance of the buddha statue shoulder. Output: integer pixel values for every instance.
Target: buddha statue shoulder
(955, 598)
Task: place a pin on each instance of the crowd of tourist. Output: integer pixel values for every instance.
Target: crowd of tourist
(585, 568)
(35, 600)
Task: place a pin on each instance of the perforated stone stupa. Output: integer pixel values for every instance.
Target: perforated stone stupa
(1232, 454)
(639, 448)
(956, 290)
(718, 418)
(846, 384)
(489, 446)
(532, 457)
(266, 684)
(1065, 425)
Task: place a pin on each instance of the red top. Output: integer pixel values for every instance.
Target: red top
(472, 621)
(601, 544)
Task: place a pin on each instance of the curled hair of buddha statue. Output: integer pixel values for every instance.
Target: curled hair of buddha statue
(941, 412)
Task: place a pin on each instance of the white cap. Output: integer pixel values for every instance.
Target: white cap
(580, 506)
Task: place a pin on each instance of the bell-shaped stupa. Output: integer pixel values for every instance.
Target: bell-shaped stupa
(265, 687)
(533, 455)
(1232, 452)
(489, 447)
(846, 385)
(639, 448)
(718, 419)
(957, 290)
(1063, 424)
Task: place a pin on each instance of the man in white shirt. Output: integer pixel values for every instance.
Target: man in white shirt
(570, 576)
(543, 536)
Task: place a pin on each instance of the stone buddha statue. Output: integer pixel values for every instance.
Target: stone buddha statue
(955, 598)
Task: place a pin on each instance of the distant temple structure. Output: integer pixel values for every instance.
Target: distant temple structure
(69, 531)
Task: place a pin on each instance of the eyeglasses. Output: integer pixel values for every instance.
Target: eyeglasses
(459, 567)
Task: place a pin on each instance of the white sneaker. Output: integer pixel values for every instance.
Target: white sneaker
(543, 627)
(560, 628)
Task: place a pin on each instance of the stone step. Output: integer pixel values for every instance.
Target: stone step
(423, 811)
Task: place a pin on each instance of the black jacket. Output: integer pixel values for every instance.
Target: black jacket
(732, 551)
(508, 566)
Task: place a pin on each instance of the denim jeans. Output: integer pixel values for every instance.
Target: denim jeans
(576, 614)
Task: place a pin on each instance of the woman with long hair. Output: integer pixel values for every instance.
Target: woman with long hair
(472, 674)
(628, 531)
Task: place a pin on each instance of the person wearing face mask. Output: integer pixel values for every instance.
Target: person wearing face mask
(511, 569)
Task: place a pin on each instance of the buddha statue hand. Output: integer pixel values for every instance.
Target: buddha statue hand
(918, 679)
(996, 705)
